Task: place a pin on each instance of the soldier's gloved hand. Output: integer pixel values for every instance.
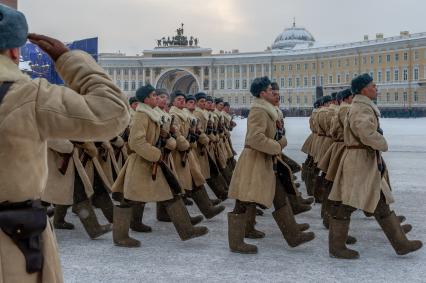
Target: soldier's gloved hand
(53, 47)
(193, 138)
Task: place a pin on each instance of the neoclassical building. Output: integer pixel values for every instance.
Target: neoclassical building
(303, 68)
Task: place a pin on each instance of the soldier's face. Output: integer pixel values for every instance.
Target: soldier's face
(276, 94)
(208, 105)
(370, 91)
(190, 104)
(151, 100)
(349, 99)
(179, 102)
(162, 100)
(268, 95)
(134, 105)
(219, 106)
(226, 109)
(201, 103)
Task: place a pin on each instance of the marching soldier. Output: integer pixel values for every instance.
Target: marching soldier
(254, 181)
(32, 112)
(182, 156)
(230, 124)
(147, 177)
(360, 181)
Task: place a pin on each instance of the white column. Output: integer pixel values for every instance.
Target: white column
(248, 76)
(202, 79)
(263, 69)
(151, 75)
(233, 77)
(114, 74)
(241, 76)
(270, 70)
(137, 78)
(218, 80)
(143, 76)
(226, 77)
(255, 70)
(210, 79)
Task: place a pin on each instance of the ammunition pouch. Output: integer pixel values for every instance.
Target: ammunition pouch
(24, 223)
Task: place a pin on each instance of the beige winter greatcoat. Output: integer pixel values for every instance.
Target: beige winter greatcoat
(135, 178)
(203, 141)
(254, 179)
(60, 188)
(34, 111)
(307, 145)
(358, 182)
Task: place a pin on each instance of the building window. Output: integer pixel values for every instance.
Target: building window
(126, 72)
(290, 82)
(314, 66)
(298, 99)
(305, 81)
(313, 81)
(387, 97)
(126, 85)
(405, 75)
(372, 74)
(416, 74)
(321, 81)
(282, 82)
(388, 76)
(236, 99)
(330, 64)
(330, 79)
(347, 77)
(405, 56)
(244, 84)
(338, 79)
(380, 59)
(364, 60)
(237, 69)
(379, 76)
(305, 100)
(214, 84)
(290, 67)
(282, 99)
(396, 75)
(306, 66)
(222, 69)
(416, 55)
(251, 68)
(237, 84)
(118, 84)
(110, 72)
(222, 84)
(275, 68)
(244, 69)
(133, 71)
(297, 82)
(388, 58)
(396, 57)
(416, 97)
(266, 68)
(371, 59)
(118, 71)
(298, 67)
(322, 65)
(140, 84)
(133, 85)
(405, 97)
(396, 96)
(282, 68)
(244, 99)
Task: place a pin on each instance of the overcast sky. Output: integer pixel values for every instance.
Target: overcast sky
(248, 25)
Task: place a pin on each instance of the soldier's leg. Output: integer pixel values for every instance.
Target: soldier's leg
(338, 233)
(251, 231)
(85, 211)
(284, 217)
(296, 204)
(122, 219)
(237, 221)
(101, 198)
(163, 215)
(201, 198)
(392, 228)
(182, 221)
(137, 216)
(59, 222)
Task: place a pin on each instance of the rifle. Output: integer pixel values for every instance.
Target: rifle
(192, 137)
(279, 133)
(157, 145)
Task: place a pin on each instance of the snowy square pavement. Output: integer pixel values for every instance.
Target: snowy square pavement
(163, 257)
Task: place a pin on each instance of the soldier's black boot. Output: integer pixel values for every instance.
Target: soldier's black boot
(59, 218)
(289, 228)
(236, 232)
(201, 198)
(396, 236)
(103, 201)
(88, 218)
(251, 231)
(137, 216)
(120, 232)
(182, 222)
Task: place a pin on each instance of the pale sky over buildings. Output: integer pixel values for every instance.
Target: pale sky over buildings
(248, 25)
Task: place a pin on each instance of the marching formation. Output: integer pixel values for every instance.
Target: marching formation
(86, 146)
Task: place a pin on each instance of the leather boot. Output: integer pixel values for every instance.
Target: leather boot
(181, 220)
(296, 206)
(289, 228)
(326, 192)
(120, 232)
(251, 231)
(303, 174)
(303, 226)
(218, 186)
(88, 218)
(104, 202)
(136, 221)
(201, 198)
(308, 201)
(319, 188)
(187, 201)
(59, 218)
(236, 232)
(337, 237)
(215, 201)
(396, 236)
(163, 216)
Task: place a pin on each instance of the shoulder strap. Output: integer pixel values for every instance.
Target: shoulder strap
(4, 88)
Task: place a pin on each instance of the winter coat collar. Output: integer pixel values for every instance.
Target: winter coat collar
(265, 105)
(180, 113)
(9, 71)
(204, 112)
(154, 115)
(365, 100)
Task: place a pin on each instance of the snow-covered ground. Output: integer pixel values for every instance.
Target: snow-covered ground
(164, 258)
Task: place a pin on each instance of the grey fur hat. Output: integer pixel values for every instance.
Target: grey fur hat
(13, 28)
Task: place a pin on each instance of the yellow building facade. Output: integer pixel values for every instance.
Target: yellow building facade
(302, 68)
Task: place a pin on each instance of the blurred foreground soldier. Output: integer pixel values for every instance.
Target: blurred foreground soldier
(254, 180)
(33, 111)
(147, 177)
(359, 181)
